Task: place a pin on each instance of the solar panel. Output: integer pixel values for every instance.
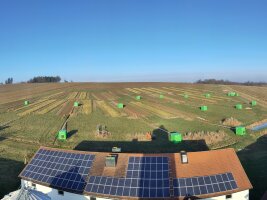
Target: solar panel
(203, 185)
(62, 170)
(146, 177)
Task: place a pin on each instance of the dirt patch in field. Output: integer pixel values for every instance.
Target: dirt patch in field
(231, 122)
(108, 109)
(209, 137)
(134, 112)
(109, 95)
(66, 108)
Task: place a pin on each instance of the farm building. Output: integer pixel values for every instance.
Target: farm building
(204, 108)
(240, 130)
(26, 102)
(120, 105)
(76, 104)
(161, 96)
(176, 137)
(79, 175)
(239, 106)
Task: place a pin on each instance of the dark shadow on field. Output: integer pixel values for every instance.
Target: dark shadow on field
(254, 161)
(2, 138)
(160, 144)
(9, 171)
(232, 129)
(3, 127)
(71, 133)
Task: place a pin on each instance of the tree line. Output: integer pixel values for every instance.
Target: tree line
(45, 79)
(9, 81)
(226, 82)
(39, 79)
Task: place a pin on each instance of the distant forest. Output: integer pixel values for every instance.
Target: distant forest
(225, 82)
(45, 79)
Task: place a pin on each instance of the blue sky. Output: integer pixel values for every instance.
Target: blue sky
(134, 40)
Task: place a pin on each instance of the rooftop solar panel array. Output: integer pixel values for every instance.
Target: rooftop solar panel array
(146, 177)
(203, 185)
(59, 169)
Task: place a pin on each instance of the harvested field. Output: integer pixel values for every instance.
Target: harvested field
(83, 95)
(154, 110)
(66, 108)
(50, 107)
(231, 122)
(97, 96)
(37, 107)
(135, 112)
(86, 107)
(176, 113)
(109, 96)
(133, 90)
(24, 128)
(199, 97)
(250, 93)
(106, 108)
(72, 95)
(209, 137)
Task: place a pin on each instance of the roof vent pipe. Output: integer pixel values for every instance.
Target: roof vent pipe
(184, 158)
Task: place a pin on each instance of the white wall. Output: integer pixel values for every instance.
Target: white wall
(243, 195)
(53, 194)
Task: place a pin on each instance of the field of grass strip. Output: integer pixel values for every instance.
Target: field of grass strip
(193, 96)
(86, 107)
(133, 90)
(154, 110)
(72, 95)
(51, 107)
(83, 95)
(106, 108)
(35, 108)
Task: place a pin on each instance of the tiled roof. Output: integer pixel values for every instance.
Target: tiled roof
(203, 163)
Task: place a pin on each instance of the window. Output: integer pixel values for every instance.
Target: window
(228, 196)
(92, 198)
(60, 192)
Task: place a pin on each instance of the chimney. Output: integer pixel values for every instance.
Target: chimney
(184, 158)
(111, 160)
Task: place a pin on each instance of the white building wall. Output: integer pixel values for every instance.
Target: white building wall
(243, 195)
(53, 194)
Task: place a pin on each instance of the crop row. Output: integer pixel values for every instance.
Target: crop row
(87, 106)
(72, 95)
(83, 95)
(52, 106)
(133, 90)
(35, 108)
(108, 109)
(154, 110)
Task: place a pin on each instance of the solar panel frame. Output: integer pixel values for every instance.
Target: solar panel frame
(202, 185)
(145, 177)
(59, 169)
